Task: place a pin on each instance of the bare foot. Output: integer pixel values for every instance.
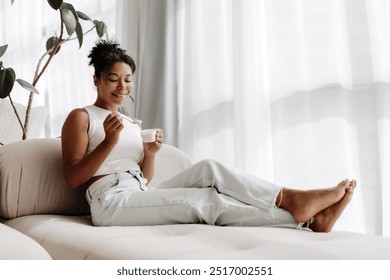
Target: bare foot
(326, 219)
(305, 204)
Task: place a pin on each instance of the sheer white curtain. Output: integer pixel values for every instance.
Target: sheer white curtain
(147, 30)
(67, 83)
(294, 91)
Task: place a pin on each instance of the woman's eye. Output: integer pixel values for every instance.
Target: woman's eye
(116, 81)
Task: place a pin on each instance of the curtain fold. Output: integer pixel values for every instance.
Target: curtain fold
(153, 48)
(292, 91)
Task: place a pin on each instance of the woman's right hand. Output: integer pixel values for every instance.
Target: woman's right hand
(113, 126)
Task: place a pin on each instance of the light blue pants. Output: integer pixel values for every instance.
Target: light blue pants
(207, 192)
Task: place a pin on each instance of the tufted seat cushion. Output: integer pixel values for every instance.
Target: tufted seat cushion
(17, 246)
(71, 237)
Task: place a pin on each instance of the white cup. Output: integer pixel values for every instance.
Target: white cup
(149, 135)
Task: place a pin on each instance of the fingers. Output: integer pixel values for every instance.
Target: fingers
(159, 136)
(113, 126)
(113, 121)
(152, 148)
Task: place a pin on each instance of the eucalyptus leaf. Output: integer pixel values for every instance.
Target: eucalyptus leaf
(3, 49)
(51, 42)
(101, 28)
(69, 21)
(55, 4)
(83, 16)
(27, 86)
(7, 80)
(79, 32)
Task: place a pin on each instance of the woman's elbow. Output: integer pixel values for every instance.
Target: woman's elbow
(72, 184)
(71, 180)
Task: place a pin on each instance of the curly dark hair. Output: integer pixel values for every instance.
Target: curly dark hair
(105, 54)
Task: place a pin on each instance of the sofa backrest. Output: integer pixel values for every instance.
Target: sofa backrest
(32, 180)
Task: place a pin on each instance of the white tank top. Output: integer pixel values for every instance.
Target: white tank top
(127, 152)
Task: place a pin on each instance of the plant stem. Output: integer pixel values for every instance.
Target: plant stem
(38, 75)
(16, 113)
(74, 38)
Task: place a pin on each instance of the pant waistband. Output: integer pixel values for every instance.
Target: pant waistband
(137, 174)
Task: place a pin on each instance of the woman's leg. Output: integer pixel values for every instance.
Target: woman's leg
(119, 200)
(231, 182)
(208, 193)
(302, 204)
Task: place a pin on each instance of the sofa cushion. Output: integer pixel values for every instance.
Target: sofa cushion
(74, 238)
(168, 162)
(32, 181)
(10, 129)
(17, 246)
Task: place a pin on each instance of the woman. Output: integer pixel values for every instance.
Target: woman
(103, 151)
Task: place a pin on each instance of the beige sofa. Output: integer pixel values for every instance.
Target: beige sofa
(43, 218)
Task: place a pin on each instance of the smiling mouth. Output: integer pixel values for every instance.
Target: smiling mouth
(121, 95)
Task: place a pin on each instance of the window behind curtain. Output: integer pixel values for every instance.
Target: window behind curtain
(67, 82)
(296, 92)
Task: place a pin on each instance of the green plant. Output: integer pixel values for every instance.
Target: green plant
(69, 20)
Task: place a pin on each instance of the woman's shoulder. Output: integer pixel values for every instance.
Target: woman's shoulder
(78, 115)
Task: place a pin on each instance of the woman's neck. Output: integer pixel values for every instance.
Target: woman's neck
(112, 108)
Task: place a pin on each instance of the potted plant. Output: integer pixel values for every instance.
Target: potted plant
(70, 20)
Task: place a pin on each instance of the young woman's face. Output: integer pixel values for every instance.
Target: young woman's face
(114, 88)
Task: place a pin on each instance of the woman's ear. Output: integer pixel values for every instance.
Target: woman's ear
(95, 81)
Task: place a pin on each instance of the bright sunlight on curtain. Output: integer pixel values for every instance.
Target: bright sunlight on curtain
(295, 91)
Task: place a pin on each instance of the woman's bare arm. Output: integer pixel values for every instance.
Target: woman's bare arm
(78, 166)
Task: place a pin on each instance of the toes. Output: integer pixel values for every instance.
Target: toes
(345, 184)
(352, 185)
(342, 182)
(347, 197)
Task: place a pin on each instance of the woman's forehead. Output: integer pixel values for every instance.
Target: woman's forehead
(120, 67)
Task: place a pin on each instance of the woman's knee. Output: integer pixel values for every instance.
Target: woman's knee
(209, 164)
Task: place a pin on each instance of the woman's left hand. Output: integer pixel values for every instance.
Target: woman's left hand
(152, 148)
